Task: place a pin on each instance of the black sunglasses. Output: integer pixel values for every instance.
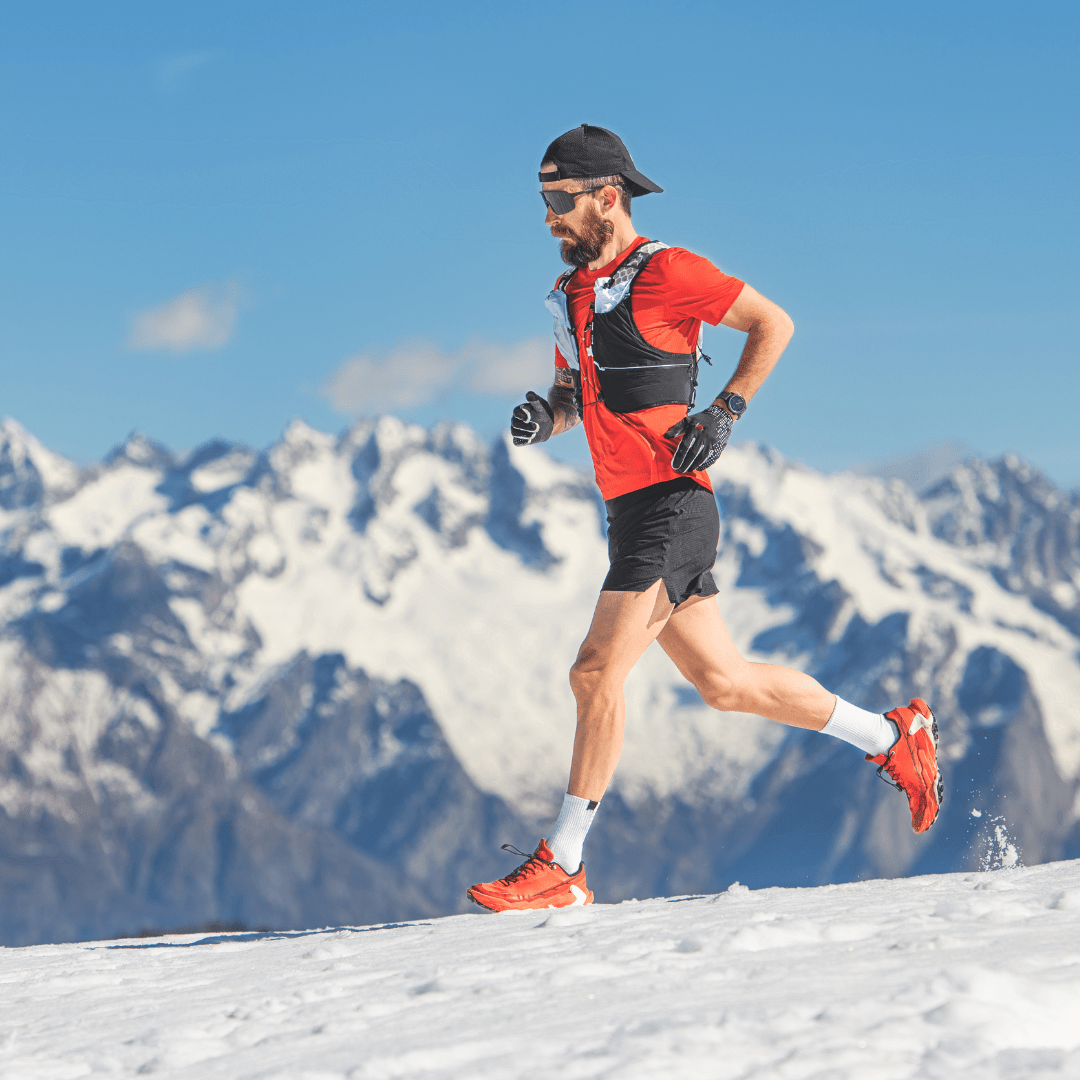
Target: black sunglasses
(562, 202)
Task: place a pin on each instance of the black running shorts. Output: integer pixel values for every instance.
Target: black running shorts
(668, 531)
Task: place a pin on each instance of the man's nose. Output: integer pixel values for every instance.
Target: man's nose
(550, 217)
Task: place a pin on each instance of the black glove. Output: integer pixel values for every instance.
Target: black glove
(532, 421)
(704, 436)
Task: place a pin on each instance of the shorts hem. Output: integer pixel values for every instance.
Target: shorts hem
(632, 586)
(705, 589)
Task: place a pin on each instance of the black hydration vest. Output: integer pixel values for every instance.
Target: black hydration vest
(632, 374)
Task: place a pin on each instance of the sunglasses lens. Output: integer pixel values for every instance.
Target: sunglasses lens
(560, 201)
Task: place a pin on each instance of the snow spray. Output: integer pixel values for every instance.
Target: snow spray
(1000, 850)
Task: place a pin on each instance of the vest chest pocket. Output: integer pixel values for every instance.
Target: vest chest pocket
(632, 374)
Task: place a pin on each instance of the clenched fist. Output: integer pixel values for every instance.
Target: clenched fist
(533, 421)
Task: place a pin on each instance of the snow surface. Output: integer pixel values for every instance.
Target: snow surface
(956, 975)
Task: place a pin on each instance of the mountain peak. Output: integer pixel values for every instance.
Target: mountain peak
(1026, 529)
(138, 449)
(300, 433)
(29, 473)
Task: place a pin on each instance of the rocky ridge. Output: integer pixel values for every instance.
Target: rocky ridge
(296, 686)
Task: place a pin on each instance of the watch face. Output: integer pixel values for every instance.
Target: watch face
(737, 403)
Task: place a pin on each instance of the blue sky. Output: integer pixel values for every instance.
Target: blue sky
(208, 209)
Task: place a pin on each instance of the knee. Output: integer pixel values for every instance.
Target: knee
(582, 679)
(587, 672)
(724, 693)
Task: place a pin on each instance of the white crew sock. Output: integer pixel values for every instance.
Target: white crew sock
(568, 836)
(869, 731)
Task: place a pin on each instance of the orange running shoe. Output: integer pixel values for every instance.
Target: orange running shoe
(912, 762)
(539, 882)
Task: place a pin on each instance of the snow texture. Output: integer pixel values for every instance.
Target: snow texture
(937, 978)
(294, 687)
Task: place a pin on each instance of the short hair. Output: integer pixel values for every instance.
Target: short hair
(616, 180)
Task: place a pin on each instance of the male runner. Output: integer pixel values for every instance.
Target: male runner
(628, 320)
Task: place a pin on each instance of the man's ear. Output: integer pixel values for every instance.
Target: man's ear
(609, 198)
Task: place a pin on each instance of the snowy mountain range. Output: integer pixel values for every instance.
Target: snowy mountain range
(293, 687)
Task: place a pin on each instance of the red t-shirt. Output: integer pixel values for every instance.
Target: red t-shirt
(671, 298)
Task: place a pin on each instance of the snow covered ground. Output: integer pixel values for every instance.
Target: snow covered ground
(974, 975)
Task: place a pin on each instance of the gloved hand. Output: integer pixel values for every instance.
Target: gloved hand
(704, 436)
(532, 421)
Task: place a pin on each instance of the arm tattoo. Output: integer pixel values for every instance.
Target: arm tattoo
(564, 397)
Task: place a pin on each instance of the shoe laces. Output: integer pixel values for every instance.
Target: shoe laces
(888, 766)
(527, 867)
(883, 768)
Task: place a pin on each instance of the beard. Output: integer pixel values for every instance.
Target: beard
(583, 247)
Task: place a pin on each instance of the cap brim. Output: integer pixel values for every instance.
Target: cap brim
(639, 183)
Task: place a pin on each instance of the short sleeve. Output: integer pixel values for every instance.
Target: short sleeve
(697, 289)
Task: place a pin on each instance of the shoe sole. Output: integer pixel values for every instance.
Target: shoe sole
(939, 791)
(468, 893)
(581, 898)
(941, 783)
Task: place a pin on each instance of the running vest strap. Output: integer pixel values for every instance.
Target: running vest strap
(632, 374)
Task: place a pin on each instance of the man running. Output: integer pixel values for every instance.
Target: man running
(628, 318)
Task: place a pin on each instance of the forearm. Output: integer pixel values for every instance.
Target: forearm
(562, 397)
(766, 340)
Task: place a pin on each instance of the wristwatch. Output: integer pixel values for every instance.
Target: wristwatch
(736, 403)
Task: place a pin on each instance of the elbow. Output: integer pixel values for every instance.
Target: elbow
(774, 324)
(775, 327)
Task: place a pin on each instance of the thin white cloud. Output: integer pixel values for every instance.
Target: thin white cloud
(173, 71)
(203, 318)
(415, 373)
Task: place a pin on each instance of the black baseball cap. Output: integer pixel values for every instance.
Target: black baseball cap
(587, 152)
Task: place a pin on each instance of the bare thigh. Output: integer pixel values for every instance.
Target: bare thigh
(698, 642)
(623, 626)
